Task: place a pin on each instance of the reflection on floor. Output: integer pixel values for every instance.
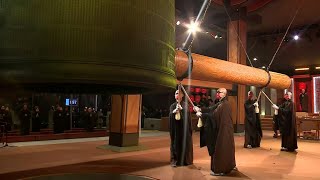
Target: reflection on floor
(83, 156)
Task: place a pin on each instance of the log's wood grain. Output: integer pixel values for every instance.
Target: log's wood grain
(212, 69)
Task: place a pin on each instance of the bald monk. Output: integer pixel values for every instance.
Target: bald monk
(221, 148)
(180, 128)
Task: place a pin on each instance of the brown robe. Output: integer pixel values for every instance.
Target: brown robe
(181, 149)
(223, 158)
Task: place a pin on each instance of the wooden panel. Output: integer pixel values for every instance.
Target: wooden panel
(133, 113)
(233, 102)
(116, 113)
(233, 45)
(241, 101)
(243, 45)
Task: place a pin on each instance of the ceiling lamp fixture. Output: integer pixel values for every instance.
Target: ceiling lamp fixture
(302, 69)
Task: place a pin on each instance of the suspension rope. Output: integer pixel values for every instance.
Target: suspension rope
(186, 94)
(188, 42)
(285, 34)
(245, 50)
(267, 97)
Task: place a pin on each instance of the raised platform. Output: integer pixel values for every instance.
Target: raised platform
(264, 163)
(47, 134)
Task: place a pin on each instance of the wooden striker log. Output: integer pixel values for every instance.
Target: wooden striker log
(211, 69)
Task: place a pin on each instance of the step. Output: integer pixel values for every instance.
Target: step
(99, 133)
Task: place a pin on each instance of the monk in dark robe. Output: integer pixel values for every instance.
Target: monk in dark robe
(275, 120)
(206, 116)
(287, 123)
(58, 124)
(180, 128)
(253, 131)
(90, 120)
(24, 117)
(66, 116)
(303, 98)
(36, 122)
(220, 139)
(210, 130)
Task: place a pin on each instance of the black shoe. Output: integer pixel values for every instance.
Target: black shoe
(275, 136)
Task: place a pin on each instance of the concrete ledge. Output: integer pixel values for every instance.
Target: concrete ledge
(152, 124)
(123, 149)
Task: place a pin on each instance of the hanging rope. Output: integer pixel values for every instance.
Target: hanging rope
(284, 36)
(188, 42)
(267, 97)
(234, 29)
(200, 124)
(272, 60)
(259, 96)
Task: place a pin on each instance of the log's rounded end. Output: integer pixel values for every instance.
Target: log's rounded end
(279, 81)
(181, 63)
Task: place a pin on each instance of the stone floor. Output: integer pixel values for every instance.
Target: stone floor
(34, 159)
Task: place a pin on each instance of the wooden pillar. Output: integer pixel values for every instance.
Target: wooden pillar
(124, 121)
(237, 43)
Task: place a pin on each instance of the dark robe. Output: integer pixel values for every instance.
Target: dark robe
(253, 131)
(275, 124)
(5, 120)
(181, 148)
(2, 115)
(304, 102)
(83, 119)
(66, 116)
(223, 156)
(208, 135)
(203, 138)
(24, 117)
(90, 121)
(36, 122)
(58, 122)
(8, 120)
(288, 127)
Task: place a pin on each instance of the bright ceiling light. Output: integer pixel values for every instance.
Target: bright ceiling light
(255, 59)
(302, 69)
(178, 23)
(193, 27)
(296, 37)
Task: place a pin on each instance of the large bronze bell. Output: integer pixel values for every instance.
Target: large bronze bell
(124, 46)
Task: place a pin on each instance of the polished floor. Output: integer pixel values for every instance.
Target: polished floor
(34, 159)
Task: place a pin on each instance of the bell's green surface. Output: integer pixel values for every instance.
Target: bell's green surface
(107, 44)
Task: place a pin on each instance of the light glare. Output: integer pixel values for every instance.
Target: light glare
(193, 27)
